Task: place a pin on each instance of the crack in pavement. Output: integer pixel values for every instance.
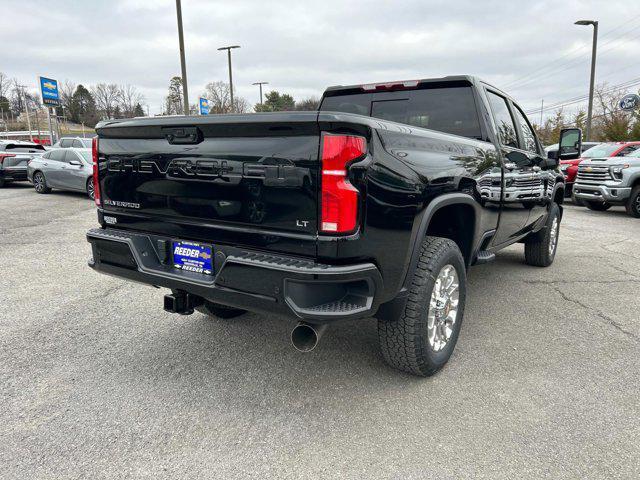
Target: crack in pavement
(569, 282)
(597, 312)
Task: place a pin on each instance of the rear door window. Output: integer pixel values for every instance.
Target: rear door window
(66, 142)
(57, 155)
(77, 144)
(504, 122)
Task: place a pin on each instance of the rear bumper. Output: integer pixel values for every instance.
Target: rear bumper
(601, 193)
(13, 174)
(244, 279)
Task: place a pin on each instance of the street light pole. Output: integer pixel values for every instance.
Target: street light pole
(260, 85)
(183, 63)
(228, 49)
(593, 72)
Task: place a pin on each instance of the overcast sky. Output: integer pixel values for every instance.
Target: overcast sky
(531, 48)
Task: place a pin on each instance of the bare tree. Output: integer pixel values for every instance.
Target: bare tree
(130, 97)
(107, 97)
(5, 85)
(220, 99)
(67, 89)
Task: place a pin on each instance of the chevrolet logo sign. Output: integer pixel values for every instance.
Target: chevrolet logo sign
(588, 169)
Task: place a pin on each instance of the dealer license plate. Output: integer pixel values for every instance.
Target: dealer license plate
(192, 257)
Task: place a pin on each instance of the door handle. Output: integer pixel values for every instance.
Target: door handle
(510, 166)
(536, 168)
(46, 164)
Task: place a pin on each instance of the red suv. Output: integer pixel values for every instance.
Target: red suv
(602, 150)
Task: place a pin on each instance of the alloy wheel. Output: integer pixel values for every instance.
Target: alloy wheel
(38, 182)
(553, 236)
(443, 308)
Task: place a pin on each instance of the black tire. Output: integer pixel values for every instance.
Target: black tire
(40, 183)
(221, 311)
(540, 248)
(90, 191)
(633, 204)
(405, 342)
(598, 206)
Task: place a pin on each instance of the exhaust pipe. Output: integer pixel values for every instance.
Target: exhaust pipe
(305, 336)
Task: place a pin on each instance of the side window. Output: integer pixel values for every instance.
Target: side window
(77, 144)
(57, 155)
(69, 156)
(504, 122)
(65, 143)
(627, 150)
(528, 136)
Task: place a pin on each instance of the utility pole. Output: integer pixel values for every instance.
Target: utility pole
(20, 89)
(594, 48)
(260, 84)
(228, 49)
(541, 109)
(183, 63)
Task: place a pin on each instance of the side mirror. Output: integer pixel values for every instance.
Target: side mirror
(75, 163)
(570, 144)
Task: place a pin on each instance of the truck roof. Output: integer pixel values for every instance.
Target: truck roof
(461, 80)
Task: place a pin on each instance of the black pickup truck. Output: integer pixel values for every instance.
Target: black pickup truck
(373, 206)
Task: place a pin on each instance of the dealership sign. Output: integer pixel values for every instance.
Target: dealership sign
(49, 90)
(630, 102)
(204, 106)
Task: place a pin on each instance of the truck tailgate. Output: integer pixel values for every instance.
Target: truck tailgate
(215, 178)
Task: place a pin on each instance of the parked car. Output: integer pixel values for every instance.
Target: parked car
(72, 142)
(604, 182)
(398, 207)
(609, 149)
(63, 168)
(14, 157)
(553, 149)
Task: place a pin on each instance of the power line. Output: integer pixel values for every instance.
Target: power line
(552, 64)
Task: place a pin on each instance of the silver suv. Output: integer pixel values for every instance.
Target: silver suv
(604, 182)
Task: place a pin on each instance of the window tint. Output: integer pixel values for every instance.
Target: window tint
(71, 156)
(359, 103)
(528, 136)
(449, 110)
(77, 144)
(57, 155)
(504, 122)
(86, 156)
(66, 142)
(25, 148)
(602, 150)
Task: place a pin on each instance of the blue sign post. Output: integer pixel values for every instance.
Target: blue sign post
(50, 93)
(204, 106)
(50, 97)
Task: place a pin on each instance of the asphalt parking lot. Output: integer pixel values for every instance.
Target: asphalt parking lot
(97, 381)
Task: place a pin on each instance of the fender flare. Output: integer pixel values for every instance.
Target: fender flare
(393, 308)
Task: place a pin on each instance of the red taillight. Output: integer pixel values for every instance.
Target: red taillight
(96, 180)
(339, 202)
(6, 155)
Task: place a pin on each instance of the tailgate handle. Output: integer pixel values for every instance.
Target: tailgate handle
(182, 135)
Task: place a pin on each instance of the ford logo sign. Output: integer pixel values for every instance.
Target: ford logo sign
(629, 102)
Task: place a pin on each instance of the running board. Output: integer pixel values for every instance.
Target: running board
(484, 256)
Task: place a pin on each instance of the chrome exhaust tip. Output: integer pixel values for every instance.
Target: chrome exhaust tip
(305, 336)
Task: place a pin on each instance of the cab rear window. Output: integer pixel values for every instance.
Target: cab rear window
(448, 110)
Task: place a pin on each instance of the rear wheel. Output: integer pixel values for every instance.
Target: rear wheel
(598, 206)
(90, 189)
(540, 248)
(40, 183)
(221, 311)
(633, 204)
(422, 340)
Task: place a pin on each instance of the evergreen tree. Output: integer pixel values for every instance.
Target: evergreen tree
(82, 108)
